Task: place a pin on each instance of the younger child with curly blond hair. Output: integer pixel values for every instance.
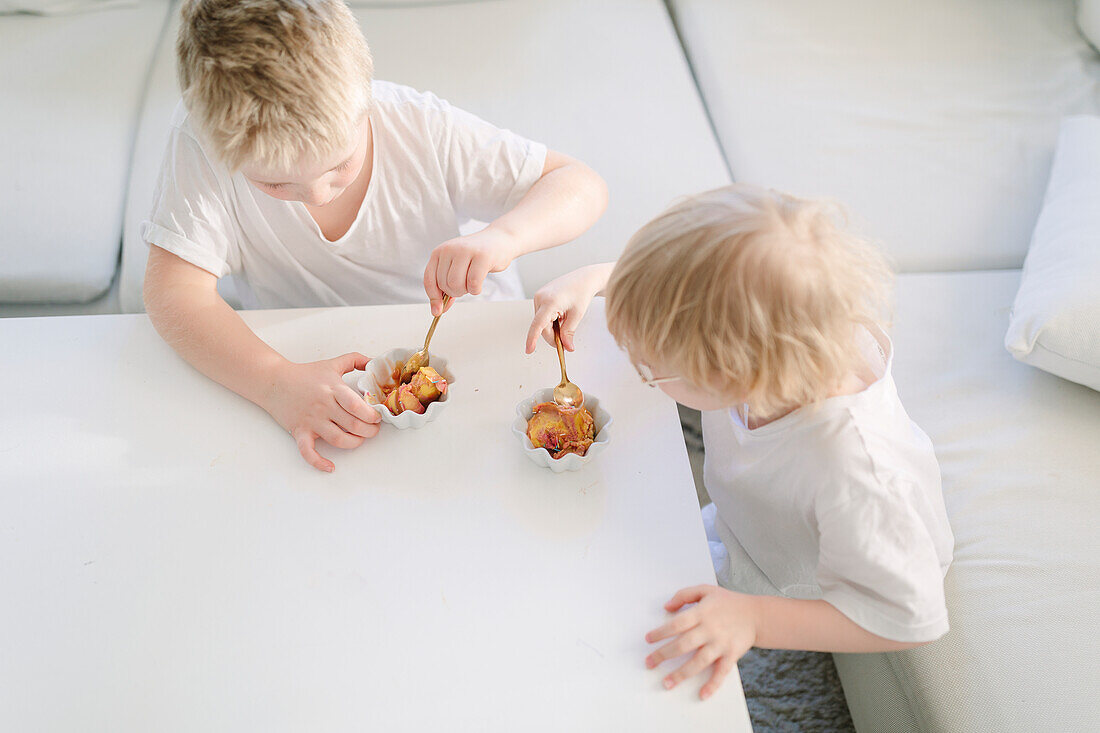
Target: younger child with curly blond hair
(828, 528)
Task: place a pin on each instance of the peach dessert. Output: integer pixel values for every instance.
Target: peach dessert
(425, 387)
(561, 430)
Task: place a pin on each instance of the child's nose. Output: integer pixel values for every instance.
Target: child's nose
(318, 195)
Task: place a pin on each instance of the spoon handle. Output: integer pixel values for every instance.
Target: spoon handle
(435, 321)
(561, 351)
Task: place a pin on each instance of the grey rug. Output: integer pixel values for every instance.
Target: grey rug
(785, 691)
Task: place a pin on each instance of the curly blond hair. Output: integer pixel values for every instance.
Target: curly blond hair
(748, 291)
(273, 81)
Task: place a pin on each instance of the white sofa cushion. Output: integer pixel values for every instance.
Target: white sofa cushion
(59, 7)
(605, 82)
(1055, 321)
(1088, 18)
(933, 121)
(1021, 478)
(71, 89)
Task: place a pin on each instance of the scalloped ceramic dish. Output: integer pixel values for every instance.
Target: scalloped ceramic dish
(380, 372)
(570, 461)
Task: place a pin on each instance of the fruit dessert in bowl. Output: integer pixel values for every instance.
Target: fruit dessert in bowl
(559, 437)
(561, 430)
(410, 405)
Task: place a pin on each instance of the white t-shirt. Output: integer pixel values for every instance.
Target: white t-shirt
(435, 168)
(842, 503)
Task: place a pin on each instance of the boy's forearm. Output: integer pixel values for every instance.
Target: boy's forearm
(789, 623)
(562, 204)
(211, 336)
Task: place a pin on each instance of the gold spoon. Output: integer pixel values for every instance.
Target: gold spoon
(420, 358)
(566, 394)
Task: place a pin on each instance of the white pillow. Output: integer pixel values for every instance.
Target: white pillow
(1055, 321)
(59, 7)
(1088, 18)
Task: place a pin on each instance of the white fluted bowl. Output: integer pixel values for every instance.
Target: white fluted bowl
(379, 372)
(570, 461)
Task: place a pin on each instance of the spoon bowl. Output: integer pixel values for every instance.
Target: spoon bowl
(566, 393)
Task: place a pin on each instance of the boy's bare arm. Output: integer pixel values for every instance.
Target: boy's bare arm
(566, 200)
(722, 625)
(309, 400)
(183, 303)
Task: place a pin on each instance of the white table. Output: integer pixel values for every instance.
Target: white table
(169, 563)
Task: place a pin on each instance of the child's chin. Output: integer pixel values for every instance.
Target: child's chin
(697, 402)
(705, 406)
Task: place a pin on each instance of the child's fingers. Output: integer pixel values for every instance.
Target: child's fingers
(544, 316)
(352, 425)
(305, 440)
(721, 668)
(352, 361)
(442, 267)
(479, 268)
(350, 400)
(544, 322)
(335, 436)
(686, 642)
(548, 337)
(569, 322)
(456, 275)
(680, 623)
(431, 283)
(685, 596)
(698, 662)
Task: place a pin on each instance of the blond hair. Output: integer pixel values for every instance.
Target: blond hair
(748, 291)
(273, 81)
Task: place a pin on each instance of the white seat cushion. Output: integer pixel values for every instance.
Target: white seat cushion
(105, 304)
(933, 121)
(1021, 478)
(71, 89)
(605, 82)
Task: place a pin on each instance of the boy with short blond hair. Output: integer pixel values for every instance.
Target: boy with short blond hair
(290, 168)
(316, 80)
(828, 525)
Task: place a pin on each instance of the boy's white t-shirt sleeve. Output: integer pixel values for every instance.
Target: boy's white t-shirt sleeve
(189, 217)
(487, 169)
(878, 566)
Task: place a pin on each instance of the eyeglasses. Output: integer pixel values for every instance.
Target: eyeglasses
(647, 377)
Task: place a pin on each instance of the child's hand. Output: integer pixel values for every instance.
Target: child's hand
(720, 628)
(567, 299)
(312, 401)
(459, 266)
